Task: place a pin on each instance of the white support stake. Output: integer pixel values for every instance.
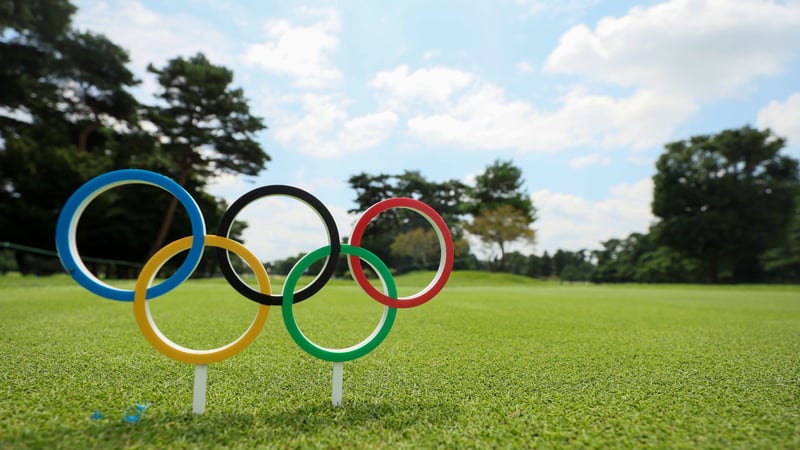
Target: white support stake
(199, 398)
(336, 392)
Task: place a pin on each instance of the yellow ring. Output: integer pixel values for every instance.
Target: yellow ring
(164, 344)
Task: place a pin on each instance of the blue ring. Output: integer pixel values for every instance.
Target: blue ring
(67, 225)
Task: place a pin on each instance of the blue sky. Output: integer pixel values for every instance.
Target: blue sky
(580, 94)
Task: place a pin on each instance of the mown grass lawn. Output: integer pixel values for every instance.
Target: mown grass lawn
(492, 362)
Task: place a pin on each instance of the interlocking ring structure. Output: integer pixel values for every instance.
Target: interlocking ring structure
(66, 244)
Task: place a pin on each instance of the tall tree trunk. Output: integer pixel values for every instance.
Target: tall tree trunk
(502, 262)
(83, 136)
(711, 269)
(169, 215)
(22, 263)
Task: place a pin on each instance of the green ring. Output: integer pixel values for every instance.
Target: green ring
(355, 351)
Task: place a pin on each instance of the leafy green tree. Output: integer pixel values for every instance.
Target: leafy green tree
(380, 233)
(497, 191)
(93, 84)
(534, 269)
(500, 184)
(50, 70)
(546, 265)
(516, 263)
(570, 273)
(619, 259)
(30, 31)
(61, 91)
(65, 116)
(284, 266)
(420, 246)
(637, 258)
(37, 179)
(582, 261)
(725, 199)
(446, 198)
(204, 126)
(500, 227)
(607, 269)
(559, 261)
(665, 265)
(575, 266)
(782, 263)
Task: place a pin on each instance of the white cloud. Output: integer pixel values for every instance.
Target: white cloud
(154, 38)
(301, 52)
(532, 6)
(570, 222)
(327, 131)
(702, 48)
(397, 87)
(367, 131)
(228, 186)
(429, 55)
(783, 118)
(483, 118)
(316, 184)
(571, 10)
(590, 160)
(457, 109)
(525, 67)
(672, 55)
(137, 13)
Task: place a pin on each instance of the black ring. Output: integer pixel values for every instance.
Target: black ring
(289, 191)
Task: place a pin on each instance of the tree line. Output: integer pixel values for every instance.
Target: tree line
(727, 205)
(727, 209)
(67, 115)
(502, 213)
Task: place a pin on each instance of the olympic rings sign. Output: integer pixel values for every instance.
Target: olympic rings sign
(66, 244)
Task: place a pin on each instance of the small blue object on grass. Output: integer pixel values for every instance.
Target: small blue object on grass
(134, 413)
(96, 415)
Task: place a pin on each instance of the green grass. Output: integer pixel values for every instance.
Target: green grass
(494, 361)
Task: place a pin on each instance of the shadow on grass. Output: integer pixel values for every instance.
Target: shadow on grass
(321, 424)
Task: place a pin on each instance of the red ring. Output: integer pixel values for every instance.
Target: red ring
(445, 244)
